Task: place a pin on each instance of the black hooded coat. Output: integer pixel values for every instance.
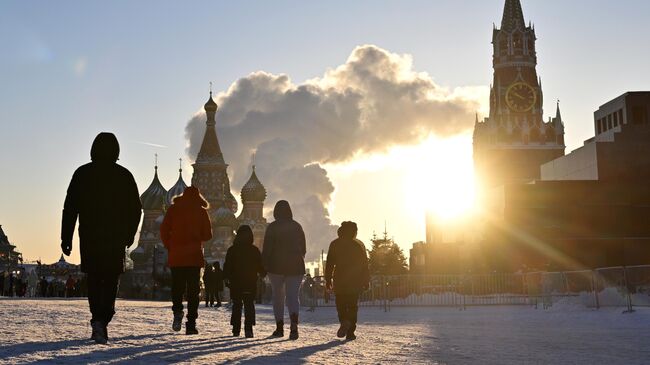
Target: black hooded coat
(284, 243)
(243, 264)
(105, 197)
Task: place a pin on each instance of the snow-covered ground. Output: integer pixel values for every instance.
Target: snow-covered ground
(57, 331)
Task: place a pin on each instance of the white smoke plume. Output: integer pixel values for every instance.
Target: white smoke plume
(374, 101)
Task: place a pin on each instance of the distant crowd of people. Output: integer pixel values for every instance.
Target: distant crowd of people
(30, 286)
(104, 197)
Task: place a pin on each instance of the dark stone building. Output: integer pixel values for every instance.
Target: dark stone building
(591, 208)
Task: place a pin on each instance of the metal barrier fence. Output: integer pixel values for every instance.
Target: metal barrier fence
(627, 287)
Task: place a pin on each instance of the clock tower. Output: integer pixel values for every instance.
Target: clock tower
(513, 142)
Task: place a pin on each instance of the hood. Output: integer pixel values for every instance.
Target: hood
(105, 148)
(244, 236)
(282, 210)
(348, 230)
(192, 195)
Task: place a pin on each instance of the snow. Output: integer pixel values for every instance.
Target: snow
(57, 331)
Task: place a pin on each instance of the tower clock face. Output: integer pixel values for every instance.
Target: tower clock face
(520, 97)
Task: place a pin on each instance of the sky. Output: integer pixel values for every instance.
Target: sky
(71, 69)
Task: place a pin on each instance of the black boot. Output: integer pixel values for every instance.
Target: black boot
(190, 328)
(279, 329)
(293, 335)
(349, 336)
(248, 331)
(178, 321)
(236, 329)
(98, 335)
(343, 329)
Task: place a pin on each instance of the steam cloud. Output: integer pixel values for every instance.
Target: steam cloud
(373, 101)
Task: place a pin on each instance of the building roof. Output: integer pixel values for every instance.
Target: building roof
(210, 151)
(253, 190)
(177, 189)
(154, 197)
(513, 16)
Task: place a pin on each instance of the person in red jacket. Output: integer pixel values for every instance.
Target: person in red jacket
(185, 227)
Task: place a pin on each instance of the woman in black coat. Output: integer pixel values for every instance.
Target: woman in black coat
(241, 269)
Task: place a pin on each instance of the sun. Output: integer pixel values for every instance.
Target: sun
(440, 178)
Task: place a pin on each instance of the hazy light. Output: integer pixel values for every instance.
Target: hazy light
(440, 178)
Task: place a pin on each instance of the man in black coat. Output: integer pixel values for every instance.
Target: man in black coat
(347, 265)
(105, 197)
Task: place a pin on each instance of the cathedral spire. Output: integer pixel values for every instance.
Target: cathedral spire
(513, 16)
(557, 111)
(210, 150)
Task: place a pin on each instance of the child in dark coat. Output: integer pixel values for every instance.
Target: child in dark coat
(347, 265)
(240, 271)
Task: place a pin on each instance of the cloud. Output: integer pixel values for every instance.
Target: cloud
(372, 102)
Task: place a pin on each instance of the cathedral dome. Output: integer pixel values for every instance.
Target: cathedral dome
(177, 189)
(224, 217)
(154, 197)
(210, 105)
(253, 190)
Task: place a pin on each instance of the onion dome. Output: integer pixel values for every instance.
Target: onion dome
(224, 217)
(177, 189)
(253, 190)
(210, 106)
(154, 197)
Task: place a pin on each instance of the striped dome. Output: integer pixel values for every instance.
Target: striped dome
(154, 197)
(177, 189)
(253, 190)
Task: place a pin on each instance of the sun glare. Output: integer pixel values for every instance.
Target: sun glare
(440, 178)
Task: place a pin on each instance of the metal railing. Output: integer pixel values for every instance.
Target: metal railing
(627, 287)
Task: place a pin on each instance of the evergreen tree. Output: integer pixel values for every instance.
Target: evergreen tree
(386, 258)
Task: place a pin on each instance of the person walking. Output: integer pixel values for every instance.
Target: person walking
(347, 272)
(283, 255)
(184, 229)
(42, 286)
(105, 198)
(217, 282)
(208, 293)
(32, 283)
(241, 270)
(69, 287)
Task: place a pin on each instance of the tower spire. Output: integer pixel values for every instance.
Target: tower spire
(513, 16)
(557, 111)
(210, 150)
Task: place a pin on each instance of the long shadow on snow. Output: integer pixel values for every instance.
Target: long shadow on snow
(164, 352)
(27, 347)
(296, 355)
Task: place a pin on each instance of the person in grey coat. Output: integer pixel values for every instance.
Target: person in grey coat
(283, 255)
